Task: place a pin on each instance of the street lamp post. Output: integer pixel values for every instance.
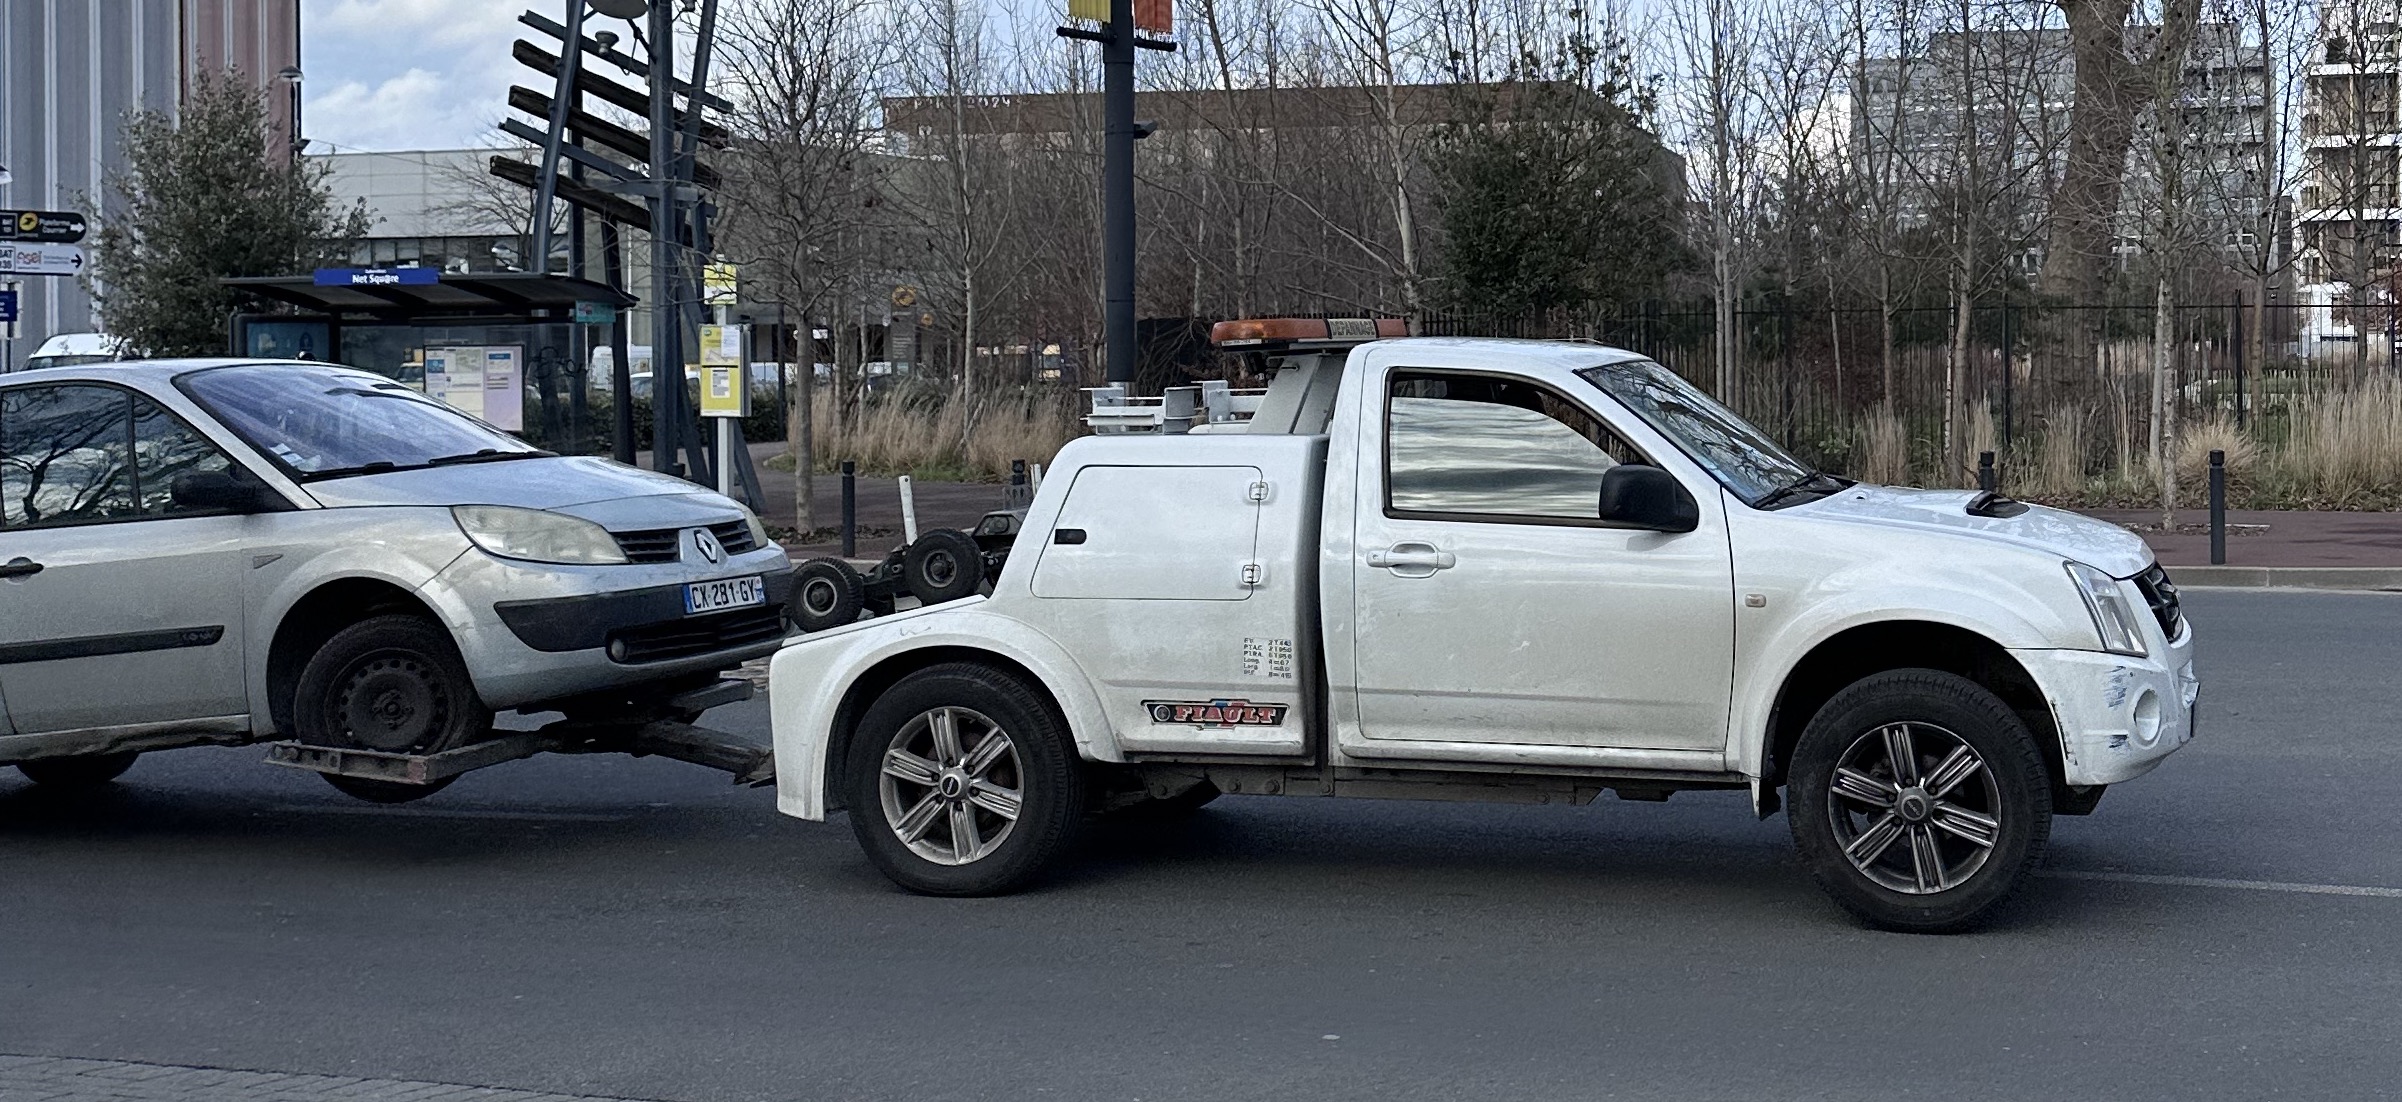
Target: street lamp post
(291, 77)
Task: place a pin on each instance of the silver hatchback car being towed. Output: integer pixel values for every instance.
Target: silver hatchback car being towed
(228, 551)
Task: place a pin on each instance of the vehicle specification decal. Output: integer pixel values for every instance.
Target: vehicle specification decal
(1217, 713)
(1268, 658)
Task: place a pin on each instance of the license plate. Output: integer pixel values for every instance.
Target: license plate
(717, 596)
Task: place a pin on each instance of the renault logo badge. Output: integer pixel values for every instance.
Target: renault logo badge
(710, 551)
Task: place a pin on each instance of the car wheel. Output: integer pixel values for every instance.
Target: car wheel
(962, 781)
(826, 593)
(1918, 800)
(390, 683)
(81, 771)
(943, 565)
(1166, 809)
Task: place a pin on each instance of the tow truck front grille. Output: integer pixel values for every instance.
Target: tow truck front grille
(2161, 594)
(658, 545)
(696, 635)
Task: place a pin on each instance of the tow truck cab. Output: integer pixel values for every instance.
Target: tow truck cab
(1509, 570)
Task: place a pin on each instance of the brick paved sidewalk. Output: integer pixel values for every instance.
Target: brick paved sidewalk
(51, 1079)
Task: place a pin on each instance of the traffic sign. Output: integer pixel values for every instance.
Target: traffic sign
(594, 313)
(57, 227)
(8, 306)
(49, 260)
(377, 277)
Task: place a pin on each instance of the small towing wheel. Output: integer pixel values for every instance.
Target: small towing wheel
(943, 565)
(81, 771)
(1919, 800)
(962, 782)
(389, 683)
(826, 593)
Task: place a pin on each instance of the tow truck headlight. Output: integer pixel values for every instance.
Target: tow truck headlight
(758, 527)
(537, 535)
(2114, 617)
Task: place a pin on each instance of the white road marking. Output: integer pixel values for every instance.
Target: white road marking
(2219, 882)
(453, 813)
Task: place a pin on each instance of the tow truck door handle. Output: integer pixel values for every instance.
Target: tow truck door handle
(1412, 559)
(20, 567)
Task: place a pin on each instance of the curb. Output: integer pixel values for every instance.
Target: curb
(2357, 578)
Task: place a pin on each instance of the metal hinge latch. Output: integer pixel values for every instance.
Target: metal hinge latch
(1257, 493)
(1254, 575)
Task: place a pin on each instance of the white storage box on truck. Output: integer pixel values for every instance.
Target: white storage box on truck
(1507, 570)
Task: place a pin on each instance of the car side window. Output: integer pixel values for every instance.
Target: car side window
(1493, 446)
(75, 454)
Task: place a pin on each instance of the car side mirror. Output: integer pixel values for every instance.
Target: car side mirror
(1640, 496)
(224, 492)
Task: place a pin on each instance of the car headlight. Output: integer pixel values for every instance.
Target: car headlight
(758, 527)
(2113, 615)
(537, 535)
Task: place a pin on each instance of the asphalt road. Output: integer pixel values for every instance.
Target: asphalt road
(636, 928)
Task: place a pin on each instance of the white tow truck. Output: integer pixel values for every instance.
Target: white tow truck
(1427, 568)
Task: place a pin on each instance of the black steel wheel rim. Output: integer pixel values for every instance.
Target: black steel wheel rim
(819, 596)
(392, 701)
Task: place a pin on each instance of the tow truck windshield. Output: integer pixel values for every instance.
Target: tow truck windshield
(1739, 456)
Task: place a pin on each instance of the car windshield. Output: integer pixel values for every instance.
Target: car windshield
(1739, 456)
(328, 422)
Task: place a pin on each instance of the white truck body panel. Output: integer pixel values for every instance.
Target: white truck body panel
(1251, 572)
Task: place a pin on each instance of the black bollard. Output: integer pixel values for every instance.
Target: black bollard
(1985, 471)
(2218, 507)
(1017, 483)
(850, 509)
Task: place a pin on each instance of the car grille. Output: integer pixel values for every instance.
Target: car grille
(657, 545)
(696, 635)
(2161, 594)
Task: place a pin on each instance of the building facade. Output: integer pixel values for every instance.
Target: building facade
(2002, 98)
(70, 73)
(2351, 218)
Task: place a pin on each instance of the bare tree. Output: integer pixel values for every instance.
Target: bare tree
(802, 175)
(1717, 44)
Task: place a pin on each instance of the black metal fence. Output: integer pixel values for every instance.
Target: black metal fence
(1811, 377)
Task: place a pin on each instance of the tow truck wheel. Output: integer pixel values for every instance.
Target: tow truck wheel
(943, 565)
(389, 683)
(80, 771)
(962, 781)
(826, 593)
(1918, 800)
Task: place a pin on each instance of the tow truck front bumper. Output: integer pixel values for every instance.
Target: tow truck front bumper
(2117, 715)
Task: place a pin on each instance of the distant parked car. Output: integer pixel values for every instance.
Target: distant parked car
(226, 551)
(72, 349)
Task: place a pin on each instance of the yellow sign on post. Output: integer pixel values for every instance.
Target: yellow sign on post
(718, 285)
(723, 393)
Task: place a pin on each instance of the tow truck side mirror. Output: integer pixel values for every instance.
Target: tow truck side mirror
(1640, 496)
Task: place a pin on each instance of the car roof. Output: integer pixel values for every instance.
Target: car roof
(1570, 354)
(153, 372)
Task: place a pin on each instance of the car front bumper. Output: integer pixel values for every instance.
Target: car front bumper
(2118, 715)
(532, 633)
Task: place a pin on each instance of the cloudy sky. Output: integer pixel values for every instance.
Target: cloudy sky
(406, 74)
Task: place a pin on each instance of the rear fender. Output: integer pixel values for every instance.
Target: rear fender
(809, 680)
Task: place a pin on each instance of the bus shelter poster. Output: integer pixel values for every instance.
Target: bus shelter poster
(486, 381)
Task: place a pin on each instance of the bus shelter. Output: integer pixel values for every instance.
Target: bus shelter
(511, 347)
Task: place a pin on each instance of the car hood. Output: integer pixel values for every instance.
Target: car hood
(2054, 531)
(617, 496)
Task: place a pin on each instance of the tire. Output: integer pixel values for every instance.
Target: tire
(81, 771)
(1923, 870)
(909, 815)
(1168, 809)
(943, 565)
(826, 593)
(389, 683)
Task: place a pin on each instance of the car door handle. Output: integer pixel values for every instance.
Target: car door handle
(20, 567)
(1417, 559)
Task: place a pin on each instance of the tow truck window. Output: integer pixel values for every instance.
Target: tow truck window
(1495, 447)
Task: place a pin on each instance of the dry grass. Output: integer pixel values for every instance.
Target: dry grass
(929, 435)
(1884, 450)
(2344, 448)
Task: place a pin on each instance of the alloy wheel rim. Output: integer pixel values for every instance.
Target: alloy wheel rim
(1914, 808)
(950, 782)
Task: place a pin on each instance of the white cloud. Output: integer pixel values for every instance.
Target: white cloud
(406, 74)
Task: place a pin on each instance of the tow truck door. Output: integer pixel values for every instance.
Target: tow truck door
(1493, 607)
